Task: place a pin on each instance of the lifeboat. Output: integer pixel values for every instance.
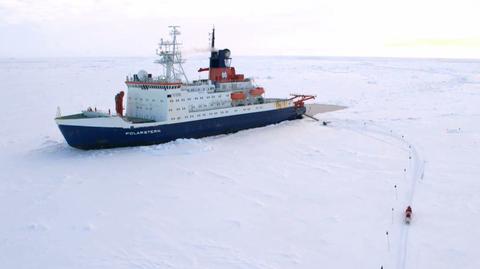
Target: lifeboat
(257, 91)
(237, 96)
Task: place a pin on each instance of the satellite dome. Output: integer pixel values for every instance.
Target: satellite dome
(227, 53)
(142, 75)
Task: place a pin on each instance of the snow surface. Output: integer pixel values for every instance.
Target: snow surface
(293, 195)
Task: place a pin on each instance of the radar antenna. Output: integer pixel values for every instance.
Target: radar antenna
(171, 57)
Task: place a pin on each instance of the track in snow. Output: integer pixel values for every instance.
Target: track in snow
(415, 170)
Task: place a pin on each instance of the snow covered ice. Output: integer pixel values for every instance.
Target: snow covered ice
(293, 195)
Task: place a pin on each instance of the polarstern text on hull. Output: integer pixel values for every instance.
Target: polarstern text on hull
(168, 106)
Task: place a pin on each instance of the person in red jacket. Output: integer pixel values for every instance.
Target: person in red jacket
(119, 103)
(408, 210)
(408, 214)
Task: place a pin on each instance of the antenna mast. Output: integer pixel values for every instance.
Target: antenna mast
(213, 38)
(171, 57)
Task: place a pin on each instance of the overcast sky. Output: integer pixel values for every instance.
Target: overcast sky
(406, 28)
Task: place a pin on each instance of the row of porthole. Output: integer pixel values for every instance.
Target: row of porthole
(234, 86)
(178, 109)
(141, 108)
(198, 89)
(141, 99)
(199, 106)
(236, 110)
(214, 104)
(196, 98)
(177, 100)
(212, 113)
(143, 86)
(200, 115)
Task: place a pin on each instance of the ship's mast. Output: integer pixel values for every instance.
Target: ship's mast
(171, 57)
(213, 38)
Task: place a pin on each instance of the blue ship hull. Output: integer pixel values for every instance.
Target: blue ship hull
(102, 137)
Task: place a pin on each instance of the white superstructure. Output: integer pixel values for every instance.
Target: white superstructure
(166, 98)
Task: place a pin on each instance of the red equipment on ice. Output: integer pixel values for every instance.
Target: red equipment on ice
(300, 99)
(408, 215)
